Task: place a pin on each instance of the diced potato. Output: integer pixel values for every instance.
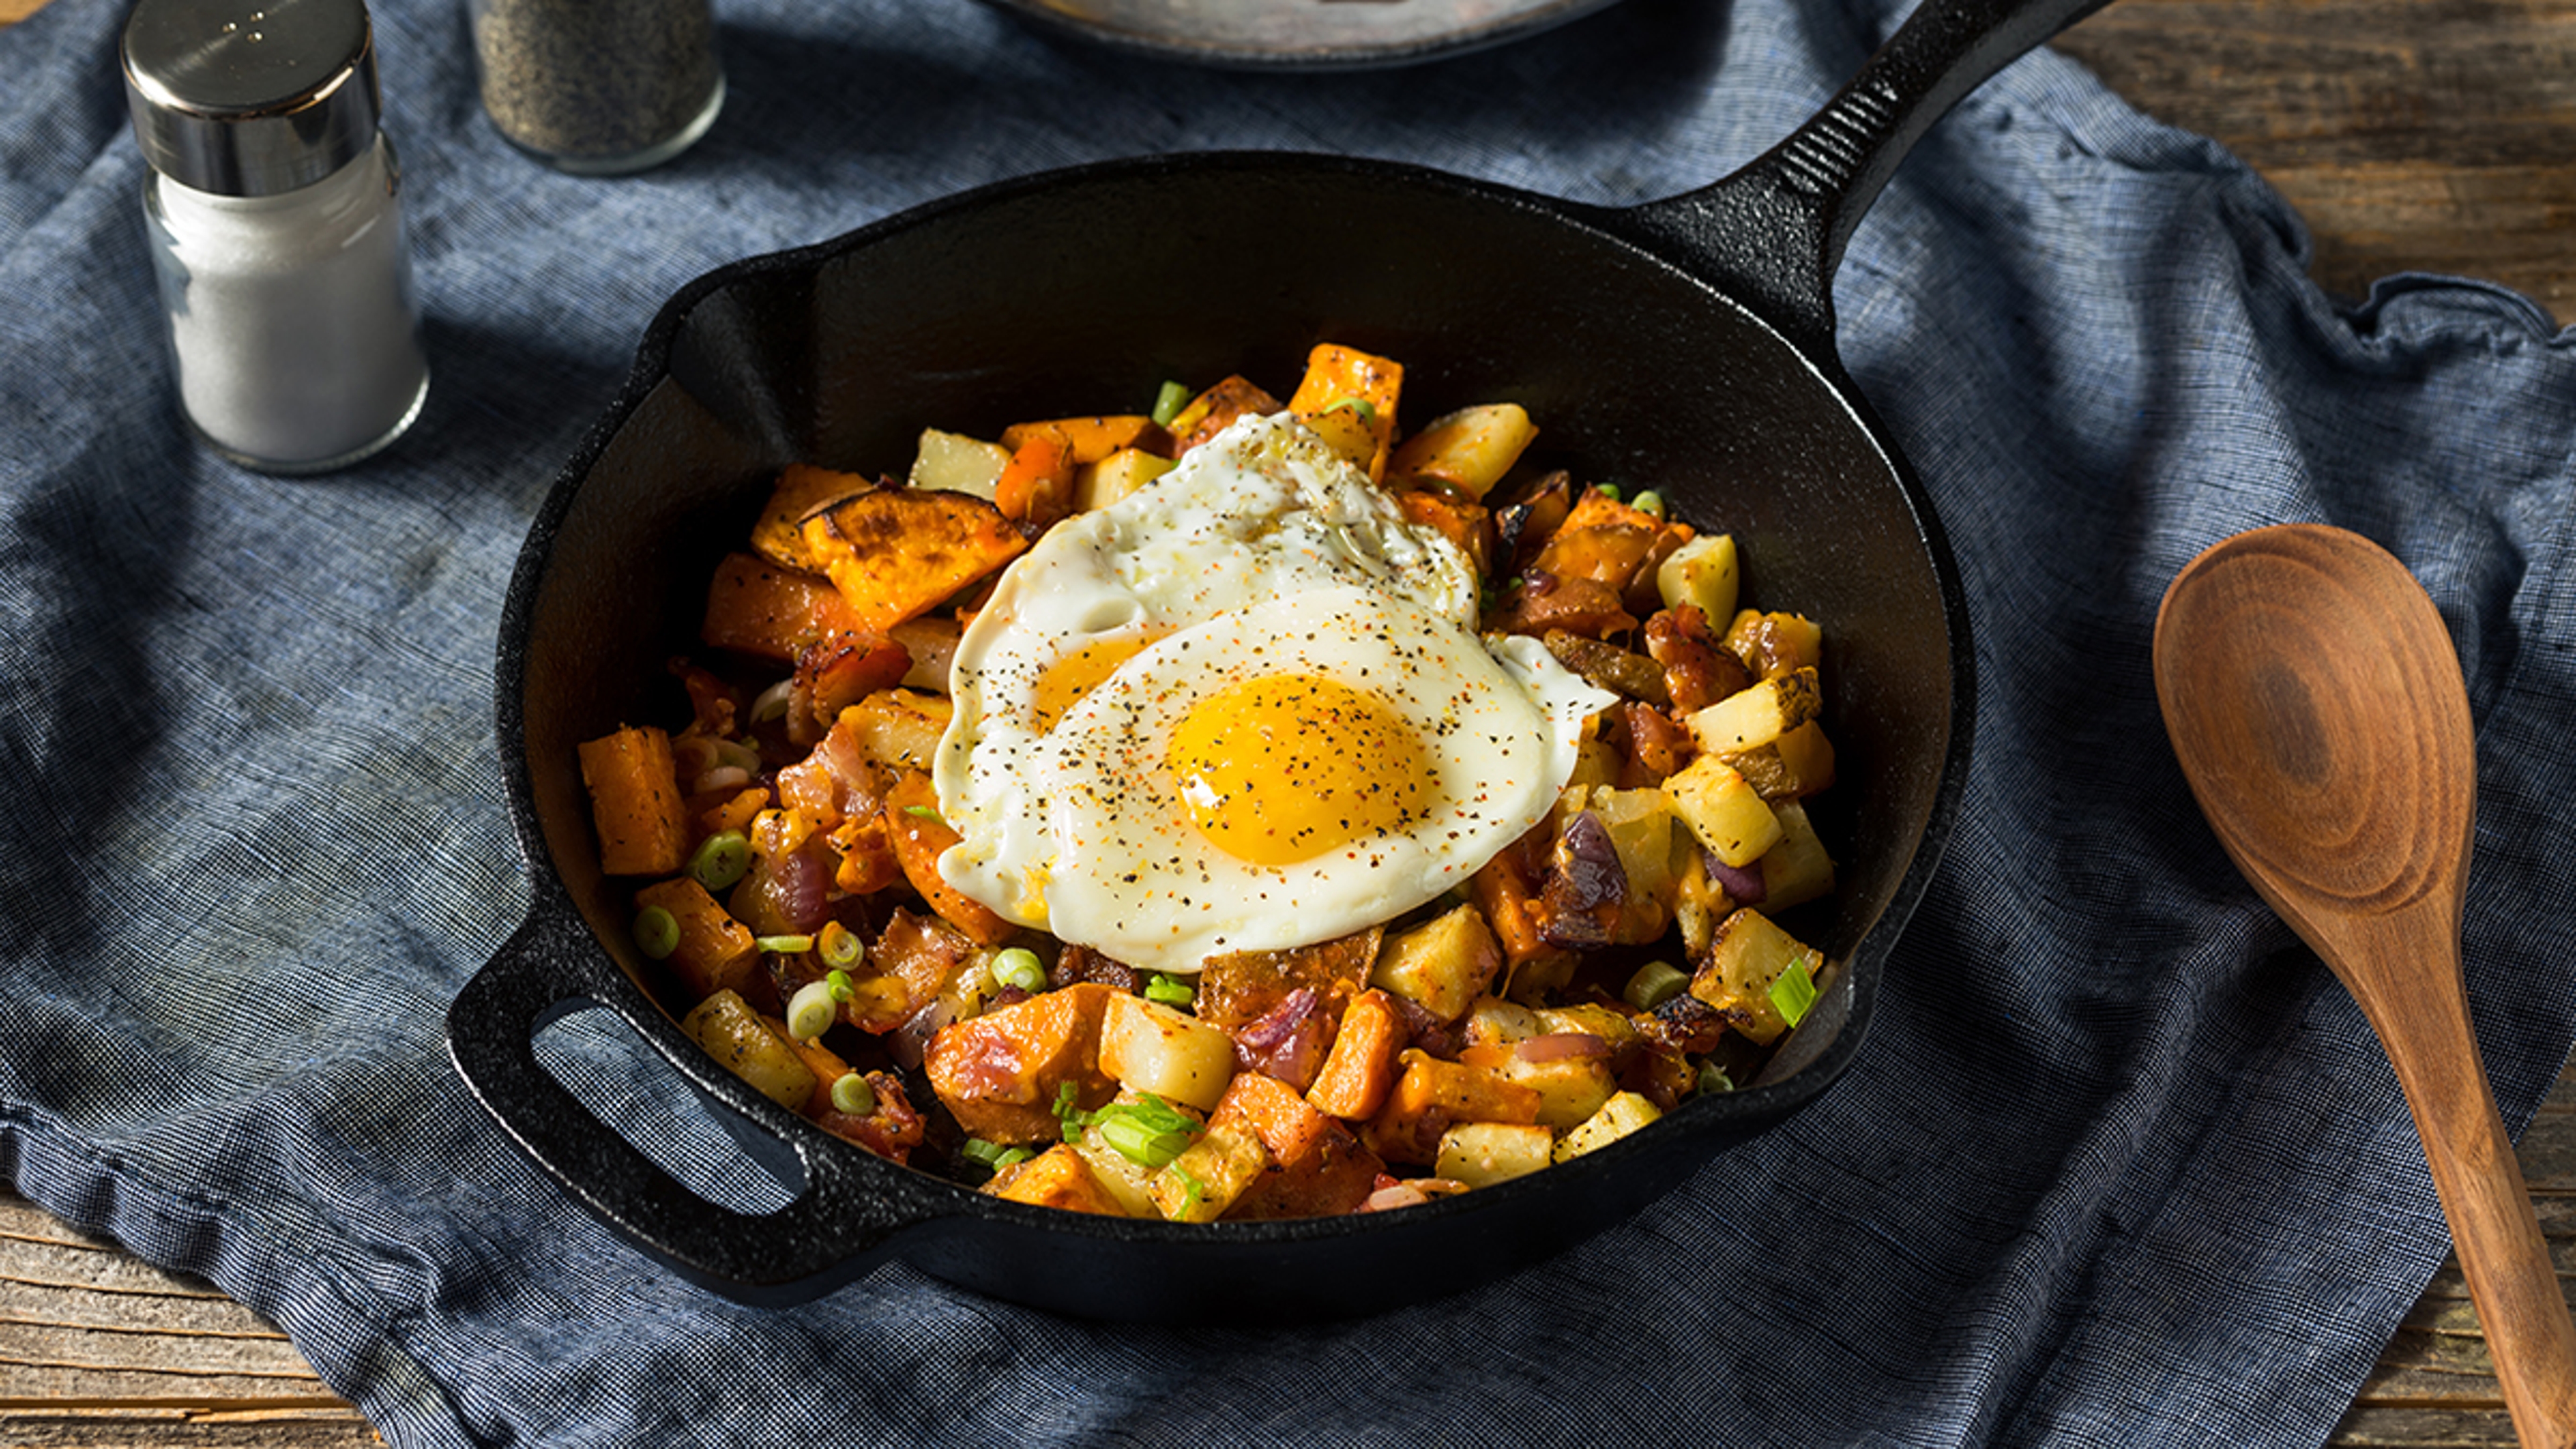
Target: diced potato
(1606, 1022)
(1209, 1175)
(1699, 902)
(1723, 810)
(898, 728)
(756, 607)
(1505, 893)
(1126, 1180)
(1289, 1126)
(779, 535)
(958, 463)
(919, 838)
(1349, 397)
(1747, 956)
(1492, 1021)
(1097, 485)
(1360, 1069)
(1470, 449)
(999, 1073)
(1796, 764)
(751, 1047)
(1596, 765)
(1641, 823)
(1036, 486)
(1569, 1090)
(1774, 644)
(1701, 573)
(1481, 1154)
(1442, 965)
(1149, 1047)
(894, 553)
(635, 801)
(1058, 1178)
(1797, 869)
(1618, 1117)
(716, 952)
(1753, 717)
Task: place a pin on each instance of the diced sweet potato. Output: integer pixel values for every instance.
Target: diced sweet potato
(735, 810)
(893, 553)
(999, 1074)
(779, 535)
(759, 608)
(1036, 486)
(1216, 409)
(1465, 524)
(1334, 1178)
(1238, 988)
(1094, 438)
(1057, 1178)
(896, 729)
(1349, 398)
(838, 671)
(1601, 540)
(635, 801)
(919, 836)
(715, 952)
(1431, 1096)
(1360, 1069)
(1507, 894)
(1291, 1127)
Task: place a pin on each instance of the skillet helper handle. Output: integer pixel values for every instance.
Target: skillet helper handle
(1778, 226)
(824, 1237)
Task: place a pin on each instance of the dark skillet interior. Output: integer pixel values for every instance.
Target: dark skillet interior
(1083, 292)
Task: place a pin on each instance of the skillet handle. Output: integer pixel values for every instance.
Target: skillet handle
(1772, 234)
(838, 1226)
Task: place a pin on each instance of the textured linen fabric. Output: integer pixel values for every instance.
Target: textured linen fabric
(2121, 1164)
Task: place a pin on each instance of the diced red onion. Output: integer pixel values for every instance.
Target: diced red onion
(1742, 884)
(1400, 1195)
(798, 886)
(722, 777)
(907, 1042)
(1561, 1046)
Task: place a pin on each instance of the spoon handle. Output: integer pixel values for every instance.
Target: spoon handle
(2511, 1278)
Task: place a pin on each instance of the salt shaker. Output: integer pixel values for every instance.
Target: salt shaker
(598, 87)
(275, 217)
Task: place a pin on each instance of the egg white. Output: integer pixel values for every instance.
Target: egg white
(1262, 552)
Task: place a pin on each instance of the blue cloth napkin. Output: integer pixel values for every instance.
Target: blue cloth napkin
(2121, 1164)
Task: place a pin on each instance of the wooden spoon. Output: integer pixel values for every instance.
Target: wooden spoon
(2313, 697)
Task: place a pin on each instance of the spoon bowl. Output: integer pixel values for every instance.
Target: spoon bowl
(2313, 697)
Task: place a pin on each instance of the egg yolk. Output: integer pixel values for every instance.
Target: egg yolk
(1288, 767)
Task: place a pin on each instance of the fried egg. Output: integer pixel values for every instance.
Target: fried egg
(1244, 708)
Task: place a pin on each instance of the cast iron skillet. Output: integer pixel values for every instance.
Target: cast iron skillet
(1685, 345)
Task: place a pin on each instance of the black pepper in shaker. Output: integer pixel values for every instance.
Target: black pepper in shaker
(598, 87)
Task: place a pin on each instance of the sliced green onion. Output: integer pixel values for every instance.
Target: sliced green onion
(1793, 993)
(853, 1097)
(1020, 967)
(1171, 991)
(1169, 402)
(722, 860)
(1655, 983)
(1608, 490)
(1649, 501)
(839, 984)
(1367, 410)
(657, 932)
(1012, 1158)
(1069, 1116)
(1140, 1143)
(976, 1149)
(811, 1011)
(926, 812)
(1713, 1080)
(1155, 1113)
(841, 946)
(784, 945)
(771, 703)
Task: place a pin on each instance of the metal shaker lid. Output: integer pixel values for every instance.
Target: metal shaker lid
(251, 97)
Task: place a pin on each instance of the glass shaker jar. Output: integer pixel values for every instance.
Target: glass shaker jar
(598, 87)
(275, 218)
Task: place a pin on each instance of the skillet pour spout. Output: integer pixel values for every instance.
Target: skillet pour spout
(1686, 345)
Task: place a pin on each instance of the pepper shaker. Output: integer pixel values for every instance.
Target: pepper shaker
(275, 219)
(598, 87)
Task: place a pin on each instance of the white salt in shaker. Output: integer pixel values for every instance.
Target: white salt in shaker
(275, 217)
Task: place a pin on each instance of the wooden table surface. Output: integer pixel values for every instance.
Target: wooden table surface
(2414, 135)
